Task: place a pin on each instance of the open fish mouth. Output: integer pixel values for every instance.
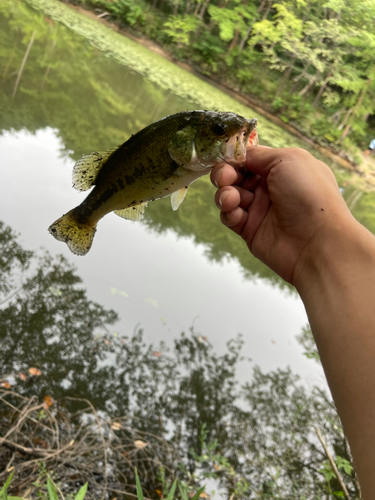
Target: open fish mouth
(235, 149)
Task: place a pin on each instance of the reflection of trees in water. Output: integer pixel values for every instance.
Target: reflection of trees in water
(61, 81)
(263, 429)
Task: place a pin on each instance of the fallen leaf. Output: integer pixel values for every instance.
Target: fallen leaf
(34, 372)
(216, 467)
(157, 354)
(140, 444)
(47, 402)
(39, 443)
(116, 426)
(22, 376)
(5, 383)
(107, 342)
(124, 453)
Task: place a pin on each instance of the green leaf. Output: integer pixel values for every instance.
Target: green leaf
(196, 496)
(172, 490)
(183, 490)
(52, 493)
(82, 492)
(3, 490)
(138, 485)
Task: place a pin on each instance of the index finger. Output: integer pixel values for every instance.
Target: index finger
(261, 159)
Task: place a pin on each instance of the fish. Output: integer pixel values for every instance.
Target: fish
(161, 160)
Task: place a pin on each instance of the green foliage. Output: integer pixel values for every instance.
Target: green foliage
(306, 339)
(322, 128)
(128, 11)
(52, 490)
(178, 28)
(207, 51)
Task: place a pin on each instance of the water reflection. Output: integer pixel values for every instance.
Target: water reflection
(186, 397)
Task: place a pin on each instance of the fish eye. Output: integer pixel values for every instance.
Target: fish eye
(219, 129)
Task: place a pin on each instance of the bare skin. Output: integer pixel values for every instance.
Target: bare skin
(287, 207)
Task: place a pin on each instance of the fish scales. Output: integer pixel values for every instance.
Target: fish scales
(160, 160)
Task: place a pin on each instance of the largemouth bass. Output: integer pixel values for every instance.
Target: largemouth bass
(158, 161)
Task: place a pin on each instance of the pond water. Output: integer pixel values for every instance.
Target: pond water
(70, 86)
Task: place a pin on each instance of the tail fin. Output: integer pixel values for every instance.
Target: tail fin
(76, 235)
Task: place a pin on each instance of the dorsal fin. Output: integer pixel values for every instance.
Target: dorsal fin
(132, 213)
(87, 168)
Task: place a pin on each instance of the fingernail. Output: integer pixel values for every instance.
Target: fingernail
(222, 197)
(218, 175)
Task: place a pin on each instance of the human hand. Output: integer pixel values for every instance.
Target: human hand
(285, 204)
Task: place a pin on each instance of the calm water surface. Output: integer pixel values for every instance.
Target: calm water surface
(61, 97)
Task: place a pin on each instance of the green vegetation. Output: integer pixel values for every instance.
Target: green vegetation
(52, 489)
(311, 62)
(83, 403)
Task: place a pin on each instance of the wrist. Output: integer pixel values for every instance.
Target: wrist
(337, 254)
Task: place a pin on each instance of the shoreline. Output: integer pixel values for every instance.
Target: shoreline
(246, 100)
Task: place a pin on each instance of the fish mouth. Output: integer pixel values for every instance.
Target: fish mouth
(235, 149)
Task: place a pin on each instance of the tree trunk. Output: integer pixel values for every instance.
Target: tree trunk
(346, 118)
(244, 39)
(203, 10)
(307, 87)
(234, 41)
(322, 88)
(298, 78)
(23, 65)
(249, 29)
(175, 9)
(267, 10)
(197, 8)
(354, 111)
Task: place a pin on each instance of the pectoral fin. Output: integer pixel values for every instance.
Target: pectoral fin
(132, 213)
(178, 197)
(87, 168)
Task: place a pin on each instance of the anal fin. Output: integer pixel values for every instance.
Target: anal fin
(178, 197)
(132, 213)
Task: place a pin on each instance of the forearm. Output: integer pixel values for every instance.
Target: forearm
(337, 285)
